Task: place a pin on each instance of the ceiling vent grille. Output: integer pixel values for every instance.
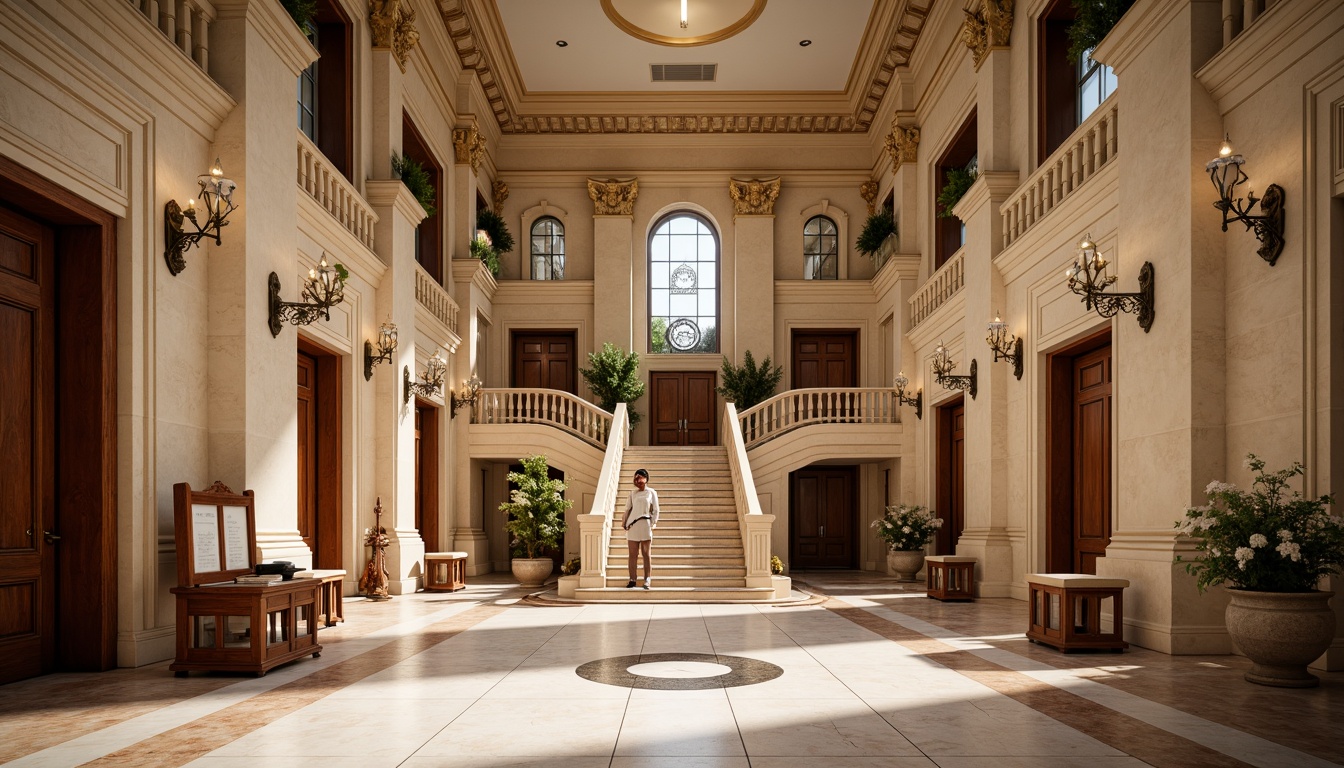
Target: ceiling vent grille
(684, 73)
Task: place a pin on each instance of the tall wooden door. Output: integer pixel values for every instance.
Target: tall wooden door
(544, 360)
(28, 538)
(319, 454)
(951, 467)
(427, 475)
(822, 514)
(1092, 458)
(682, 408)
(825, 359)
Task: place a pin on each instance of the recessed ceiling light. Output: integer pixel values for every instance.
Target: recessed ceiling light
(805, 43)
(561, 43)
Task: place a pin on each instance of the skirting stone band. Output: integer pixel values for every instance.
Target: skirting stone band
(615, 671)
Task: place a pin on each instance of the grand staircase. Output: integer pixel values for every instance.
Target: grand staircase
(697, 548)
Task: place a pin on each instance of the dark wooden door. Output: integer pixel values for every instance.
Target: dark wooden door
(951, 494)
(821, 502)
(682, 408)
(27, 433)
(825, 359)
(319, 455)
(427, 475)
(1092, 458)
(307, 470)
(544, 360)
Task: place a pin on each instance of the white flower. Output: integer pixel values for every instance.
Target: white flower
(1243, 554)
(1290, 550)
(1285, 535)
(905, 529)
(1258, 540)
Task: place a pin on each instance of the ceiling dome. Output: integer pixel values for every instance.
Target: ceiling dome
(659, 21)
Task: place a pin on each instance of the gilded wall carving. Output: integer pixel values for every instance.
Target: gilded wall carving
(902, 144)
(501, 193)
(754, 197)
(869, 192)
(392, 25)
(613, 197)
(989, 26)
(469, 146)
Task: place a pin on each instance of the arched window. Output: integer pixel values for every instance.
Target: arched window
(548, 249)
(821, 249)
(683, 285)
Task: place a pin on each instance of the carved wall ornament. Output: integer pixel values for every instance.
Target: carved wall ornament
(869, 192)
(613, 197)
(754, 197)
(903, 145)
(392, 25)
(501, 193)
(469, 146)
(989, 26)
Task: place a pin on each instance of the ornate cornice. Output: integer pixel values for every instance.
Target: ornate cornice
(613, 197)
(988, 27)
(392, 25)
(902, 144)
(501, 193)
(868, 190)
(469, 146)
(754, 197)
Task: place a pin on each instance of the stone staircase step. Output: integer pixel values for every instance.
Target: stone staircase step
(682, 581)
(621, 594)
(670, 563)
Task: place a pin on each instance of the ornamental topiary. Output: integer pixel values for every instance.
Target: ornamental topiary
(748, 385)
(535, 510)
(613, 376)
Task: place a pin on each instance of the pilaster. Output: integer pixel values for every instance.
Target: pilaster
(754, 272)
(473, 289)
(613, 280)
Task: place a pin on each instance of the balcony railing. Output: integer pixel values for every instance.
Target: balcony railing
(434, 298)
(796, 408)
(334, 192)
(1087, 151)
(942, 286)
(544, 406)
(1240, 14)
(186, 23)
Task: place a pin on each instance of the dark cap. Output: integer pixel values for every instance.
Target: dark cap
(642, 471)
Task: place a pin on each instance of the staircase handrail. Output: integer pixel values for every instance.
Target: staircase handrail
(753, 524)
(516, 405)
(595, 527)
(796, 408)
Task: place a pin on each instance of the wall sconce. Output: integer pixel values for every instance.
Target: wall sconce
(1226, 172)
(430, 383)
(471, 392)
(324, 289)
(387, 344)
(942, 372)
(1006, 346)
(901, 382)
(217, 200)
(1087, 278)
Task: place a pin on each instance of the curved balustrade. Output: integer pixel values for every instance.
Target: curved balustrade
(544, 406)
(800, 407)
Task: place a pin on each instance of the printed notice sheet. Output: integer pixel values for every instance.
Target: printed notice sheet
(205, 537)
(235, 537)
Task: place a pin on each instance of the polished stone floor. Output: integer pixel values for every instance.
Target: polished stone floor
(875, 675)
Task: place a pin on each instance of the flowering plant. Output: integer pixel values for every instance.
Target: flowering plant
(907, 527)
(1267, 539)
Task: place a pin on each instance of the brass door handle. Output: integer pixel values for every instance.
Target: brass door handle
(51, 538)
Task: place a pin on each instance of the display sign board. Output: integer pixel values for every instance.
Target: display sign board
(216, 533)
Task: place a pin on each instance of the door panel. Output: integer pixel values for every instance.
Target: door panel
(307, 469)
(821, 502)
(1092, 459)
(699, 409)
(825, 359)
(683, 407)
(427, 475)
(544, 360)
(951, 473)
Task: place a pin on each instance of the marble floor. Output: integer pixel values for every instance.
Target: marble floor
(875, 674)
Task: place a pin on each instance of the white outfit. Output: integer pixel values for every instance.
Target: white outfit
(641, 515)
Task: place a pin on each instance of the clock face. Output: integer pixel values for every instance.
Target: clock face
(683, 335)
(683, 280)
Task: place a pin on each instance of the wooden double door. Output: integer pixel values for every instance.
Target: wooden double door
(682, 408)
(822, 517)
(545, 360)
(825, 359)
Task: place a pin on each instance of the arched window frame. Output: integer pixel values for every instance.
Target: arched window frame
(551, 270)
(840, 218)
(652, 280)
(531, 216)
(827, 266)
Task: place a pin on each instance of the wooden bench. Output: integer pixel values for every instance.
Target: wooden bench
(950, 577)
(331, 602)
(1065, 611)
(445, 571)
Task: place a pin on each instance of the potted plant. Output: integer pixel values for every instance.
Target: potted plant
(535, 518)
(748, 384)
(907, 529)
(1092, 21)
(613, 376)
(492, 240)
(1272, 545)
(417, 180)
(959, 181)
(879, 226)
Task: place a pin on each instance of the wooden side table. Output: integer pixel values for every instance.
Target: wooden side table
(331, 602)
(445, 571)
(1066, 611)
(950, 577)
(245, 627)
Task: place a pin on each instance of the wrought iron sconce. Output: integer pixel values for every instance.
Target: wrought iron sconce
(471, 392)
(901, 382)
(1006, 346)
(217, 200)
(387, 344)
(942, 372)
(430, 383)
(1088, 278)
(324, 289)
(1227, 174)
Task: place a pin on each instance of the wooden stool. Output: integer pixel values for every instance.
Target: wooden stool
(331, 599)
(950, 577)
(445, 571)
(1065, 611)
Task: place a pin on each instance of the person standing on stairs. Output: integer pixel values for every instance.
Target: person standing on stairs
(641, 517)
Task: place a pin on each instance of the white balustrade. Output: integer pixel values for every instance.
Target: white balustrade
(1091, 147)
(1238, 15)
(937, 289)
(796, 408)
(545, 406)
(595, 527)
(186, 24)
(434, 298)
(334, 192)
(754, 526)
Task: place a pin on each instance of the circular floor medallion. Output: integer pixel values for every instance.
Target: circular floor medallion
(678, 671)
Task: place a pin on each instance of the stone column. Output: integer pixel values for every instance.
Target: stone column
(473, 289)
(903, 148)
(753, 268)
(613, 261)
(468, 152)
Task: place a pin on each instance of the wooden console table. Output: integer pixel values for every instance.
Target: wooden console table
(331, 606)
(445, 571)
(245, 627)
(950, 577)
(1065, 611)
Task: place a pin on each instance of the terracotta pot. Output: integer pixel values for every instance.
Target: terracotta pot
(531, 571)
(904, 564)
(1281, 633)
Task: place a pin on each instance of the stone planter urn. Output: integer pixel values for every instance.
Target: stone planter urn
(905, 563)
(531, 571)
(1281, 633)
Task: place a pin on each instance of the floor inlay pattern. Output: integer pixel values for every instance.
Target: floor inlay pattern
(616, 671)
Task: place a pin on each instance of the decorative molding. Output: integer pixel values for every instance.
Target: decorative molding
(392, 25)
(868, 190)
(902, 144)
(500, 191)
(754, 197)
(988, 27)
(613, 197)
(469, 146)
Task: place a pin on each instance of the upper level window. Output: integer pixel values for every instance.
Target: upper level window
(821, 249)
(548, 249)
(429, 233)
(961, 157)
(325, 102)
(683, 285)
(1067, 91)
(1095, 83)
(308, 90)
